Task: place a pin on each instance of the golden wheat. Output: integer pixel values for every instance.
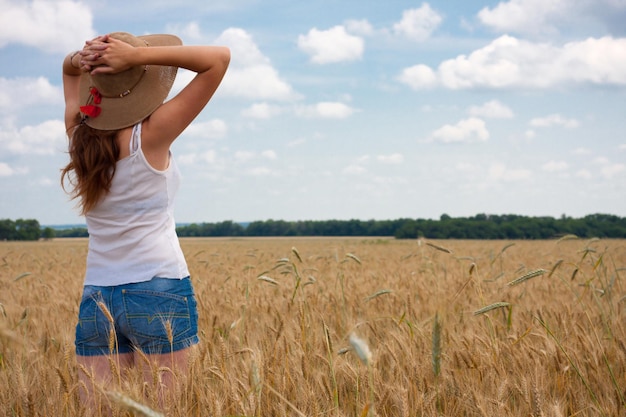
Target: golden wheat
(276, 317)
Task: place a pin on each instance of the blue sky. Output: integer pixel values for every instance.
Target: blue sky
(349, 109)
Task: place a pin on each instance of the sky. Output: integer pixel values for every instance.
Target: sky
(348, 109)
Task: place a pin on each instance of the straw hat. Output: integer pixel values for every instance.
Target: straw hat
(115, 101)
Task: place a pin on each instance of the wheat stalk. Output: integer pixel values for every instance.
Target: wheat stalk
(132, 405)
(490, 307)
(526, 277)
(436, 348)
(377, 294)
(439, 248)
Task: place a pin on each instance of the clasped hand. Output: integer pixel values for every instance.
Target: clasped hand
(105, 55)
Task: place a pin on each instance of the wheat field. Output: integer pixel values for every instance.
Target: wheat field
(346, 327)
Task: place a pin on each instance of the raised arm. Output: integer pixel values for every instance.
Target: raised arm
(71, 79)
(109, 55)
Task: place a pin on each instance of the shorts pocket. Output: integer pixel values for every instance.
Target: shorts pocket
(156, 316)
(87, 327)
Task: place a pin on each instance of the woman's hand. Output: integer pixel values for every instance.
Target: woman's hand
(106, 55)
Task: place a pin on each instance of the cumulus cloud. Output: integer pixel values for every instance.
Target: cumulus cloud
(354, 169)
(612, 170)
(326, 110)
(419, 77)
(51, 26)
(418, 24)
(492, 110)
(555, 166)
(269, 154)
(465, 131)
(17, 93)
(244, 156)
(207, 157)
(393, 159)
(251, 74)
(508, 62)
(500, 172)
(523, 16)
(189, 31)
(212, 129)
(540, 17)
(5, 170)
(261, 111)
(554, 120)
(47, 138)
(332, 45)
(359, 27)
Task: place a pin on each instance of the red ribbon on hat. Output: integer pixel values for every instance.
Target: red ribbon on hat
(92, 109)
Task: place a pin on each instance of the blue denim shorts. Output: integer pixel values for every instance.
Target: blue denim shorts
(157, 316)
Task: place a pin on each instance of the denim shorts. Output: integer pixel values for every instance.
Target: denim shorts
(157, 316)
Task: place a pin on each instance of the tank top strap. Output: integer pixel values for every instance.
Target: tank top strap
(135, 139)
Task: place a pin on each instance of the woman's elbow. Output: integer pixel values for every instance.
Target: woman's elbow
(224, 56)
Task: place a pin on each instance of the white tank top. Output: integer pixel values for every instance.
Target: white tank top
(132, 233)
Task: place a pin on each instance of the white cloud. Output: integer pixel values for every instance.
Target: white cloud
(555, 166)
(499, 172)
(5, 170)
(261, 111)
(331, 46)
(465, 131)
(554, 120)
(190, 30)
(260, 172)
(359, 27)
(418, 24)
(584, 174)
(250, 74)
(51, 26)
(418, 77)
(46, 138)
(465, 167)
(523, 16)
(492, 109)
(244, 156)
(354, 170)
(390, 181)
(296, 142)
(393, 159)
(581, 151)
(326, 110)
(613, 170)
(17, 93)
(508, 62)
(269, 154)
(547, 17)
(208, 157)
(212, 129)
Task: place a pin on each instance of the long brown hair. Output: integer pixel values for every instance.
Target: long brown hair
(93, 155)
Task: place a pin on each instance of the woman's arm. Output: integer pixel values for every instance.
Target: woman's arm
(110, 55)
(74, 65)
(71, 79)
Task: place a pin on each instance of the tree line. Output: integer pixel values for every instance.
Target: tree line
(481, 226)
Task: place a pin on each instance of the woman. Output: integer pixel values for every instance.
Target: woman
(138, 302)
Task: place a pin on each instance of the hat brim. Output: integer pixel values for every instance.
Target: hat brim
(149, 93)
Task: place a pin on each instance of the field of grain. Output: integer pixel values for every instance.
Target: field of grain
(347, 327)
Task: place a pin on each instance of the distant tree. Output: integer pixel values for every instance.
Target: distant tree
(48, 233)
(7, 229)
(27, 229)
